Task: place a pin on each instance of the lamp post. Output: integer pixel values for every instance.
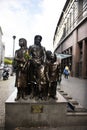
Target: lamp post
(14, 37)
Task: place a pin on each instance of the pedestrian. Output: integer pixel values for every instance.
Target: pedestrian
(66, 72)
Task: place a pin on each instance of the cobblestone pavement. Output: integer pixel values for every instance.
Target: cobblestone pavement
(6, 88)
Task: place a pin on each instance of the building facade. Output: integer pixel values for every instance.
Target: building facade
(2, 48)
(71, 37)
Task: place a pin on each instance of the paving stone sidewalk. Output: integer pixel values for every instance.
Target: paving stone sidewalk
(6, 88)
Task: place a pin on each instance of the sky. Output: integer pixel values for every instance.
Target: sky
(27, 18)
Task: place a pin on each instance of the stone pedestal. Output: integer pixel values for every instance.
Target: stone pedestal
(31, 113)
(40, 115)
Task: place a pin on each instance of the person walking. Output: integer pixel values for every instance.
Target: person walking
(66, 72)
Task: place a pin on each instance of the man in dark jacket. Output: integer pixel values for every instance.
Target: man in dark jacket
(38, 57)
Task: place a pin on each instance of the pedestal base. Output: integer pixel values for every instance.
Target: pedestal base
(31, 113)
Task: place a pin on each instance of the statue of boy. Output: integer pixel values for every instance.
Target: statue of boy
(53, 73)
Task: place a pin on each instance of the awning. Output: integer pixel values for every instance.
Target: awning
(63, 56)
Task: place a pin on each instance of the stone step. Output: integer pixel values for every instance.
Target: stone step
(61, 91)
(58, 88)
(75, 108)
(64, 94)
(50, 128)
(71, 106)
(80, 108)
(74, 102)
(68, 97)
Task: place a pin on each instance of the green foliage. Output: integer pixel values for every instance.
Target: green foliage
(7, 61)
(27, 56)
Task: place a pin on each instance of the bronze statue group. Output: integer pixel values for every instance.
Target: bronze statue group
(37, 71)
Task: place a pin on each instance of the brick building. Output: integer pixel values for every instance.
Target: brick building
(70, 37)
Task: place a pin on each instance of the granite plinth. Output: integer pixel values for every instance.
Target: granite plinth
(32, 113)
(48, 114)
